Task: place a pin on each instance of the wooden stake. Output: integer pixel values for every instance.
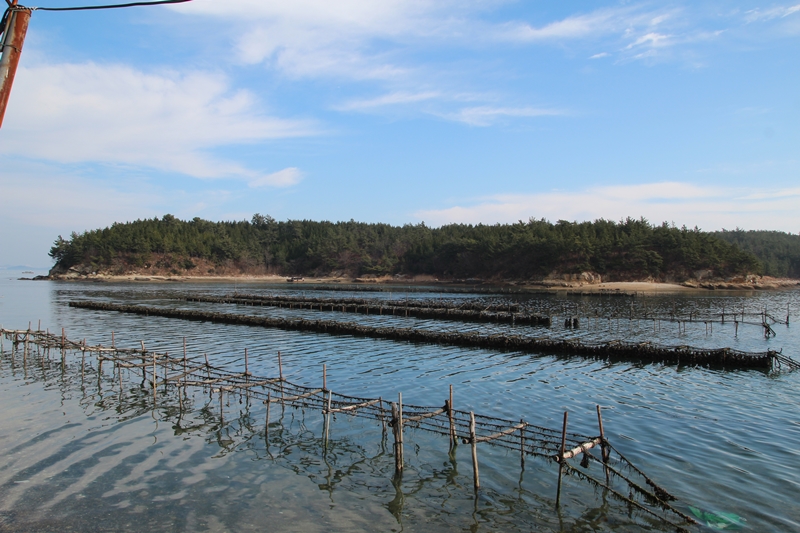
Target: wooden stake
(383, 417)
(324, 377)
(604, 451)
(522, 444)
(269, 402)
(400, 427)
(246, 367)
(474, 441)
(561, 459)
(155, 378)
(398, 459)
(280, 374)
(328, 419)
(453, 440)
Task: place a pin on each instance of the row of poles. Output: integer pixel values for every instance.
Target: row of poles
(397, 422)
(245, 384)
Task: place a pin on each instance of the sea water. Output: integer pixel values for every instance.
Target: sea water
(83, 455)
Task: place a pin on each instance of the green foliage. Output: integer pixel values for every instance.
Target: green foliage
(778, 252)
(629, 249)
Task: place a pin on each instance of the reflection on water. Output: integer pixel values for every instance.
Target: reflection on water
(83, 458)
(108, 455)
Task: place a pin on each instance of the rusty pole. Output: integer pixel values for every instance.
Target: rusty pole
(13, 38)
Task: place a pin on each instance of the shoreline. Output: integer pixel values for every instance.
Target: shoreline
(549, 286)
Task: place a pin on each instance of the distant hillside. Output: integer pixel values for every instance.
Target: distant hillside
(778, 252)
(626, 250)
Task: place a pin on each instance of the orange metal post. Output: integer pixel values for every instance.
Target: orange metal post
(13, 38)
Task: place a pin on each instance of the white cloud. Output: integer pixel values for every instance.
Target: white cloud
(395, 98)
(771, 13)
(652, 39)
(574, 27)
(360, 40)
(710, 208)
(116, 114)
(282, 178)
(487, 115)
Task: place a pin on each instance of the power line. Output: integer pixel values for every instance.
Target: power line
(110, 6)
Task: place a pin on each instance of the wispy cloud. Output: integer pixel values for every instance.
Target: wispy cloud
(282, 178)
(488, 115)
(685, 204)
(391, 99)
(116, 114)
(771, 13)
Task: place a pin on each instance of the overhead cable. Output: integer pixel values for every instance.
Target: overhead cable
(110, 6)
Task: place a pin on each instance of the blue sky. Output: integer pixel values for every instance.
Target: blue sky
(403, 111)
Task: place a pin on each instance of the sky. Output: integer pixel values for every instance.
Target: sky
(403, 112)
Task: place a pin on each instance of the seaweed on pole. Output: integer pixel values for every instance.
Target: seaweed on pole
(681, 355)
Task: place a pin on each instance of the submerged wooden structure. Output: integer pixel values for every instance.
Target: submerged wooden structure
(617, 476)
(647, 352)
(468, 311)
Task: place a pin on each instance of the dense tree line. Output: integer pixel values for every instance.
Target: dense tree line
(778, 252)
(629, 249)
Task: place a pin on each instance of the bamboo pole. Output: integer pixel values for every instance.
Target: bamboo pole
(474, 442)
(561, 459)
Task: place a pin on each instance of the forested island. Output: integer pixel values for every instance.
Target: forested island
(629, 250)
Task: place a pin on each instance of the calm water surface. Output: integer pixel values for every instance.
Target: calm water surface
(84, 456)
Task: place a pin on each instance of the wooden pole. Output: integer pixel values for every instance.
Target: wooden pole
(112, 340)
(453, 440)
(13, 39)
(522, 444)
(280, 374)
(324, 377)
(383, 417)
(144, 366)
(269, 402)
(155, 378)
(246, 367)
(604, 451)
(561, 459)
(474, 441)
(398, 460)
(400, 427)
(328, 419)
